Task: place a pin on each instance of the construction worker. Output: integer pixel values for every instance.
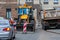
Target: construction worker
(13, 23)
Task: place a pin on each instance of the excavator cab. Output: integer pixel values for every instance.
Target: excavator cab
(24, 9)
(25, 12)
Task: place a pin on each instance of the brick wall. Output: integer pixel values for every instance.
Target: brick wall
(8, 0)
(12, 6)
(2, 11)
(14, 13)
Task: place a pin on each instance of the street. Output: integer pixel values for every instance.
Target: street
(29, 15)
(39, 35)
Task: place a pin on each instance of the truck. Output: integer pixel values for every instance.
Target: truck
(50, 19)
(25, 13)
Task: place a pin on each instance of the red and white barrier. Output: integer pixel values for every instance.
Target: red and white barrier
(25, 27)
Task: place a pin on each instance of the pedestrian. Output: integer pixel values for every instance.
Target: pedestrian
(13, 23)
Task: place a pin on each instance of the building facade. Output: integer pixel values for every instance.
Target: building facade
(50, 4)
(8, 7)
(35, 3)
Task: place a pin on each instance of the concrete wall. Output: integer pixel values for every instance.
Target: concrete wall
(22, 1)
(36, 2)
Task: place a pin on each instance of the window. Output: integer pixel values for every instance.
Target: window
(23, 11)
(8, 13)
(45, 1)
(55, 1)
(29, 0)
(20, 11)
(26, 0)
(57, 8)
(4, 22)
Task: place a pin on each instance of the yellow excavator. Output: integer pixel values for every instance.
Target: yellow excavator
(25, 12)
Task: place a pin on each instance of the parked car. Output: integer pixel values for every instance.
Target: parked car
(6, 30)
(1, 18)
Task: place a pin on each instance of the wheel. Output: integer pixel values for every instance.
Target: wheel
(44, 28)
(33, 23)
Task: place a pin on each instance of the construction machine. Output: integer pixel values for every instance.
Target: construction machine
(50, 19)
(25, 12)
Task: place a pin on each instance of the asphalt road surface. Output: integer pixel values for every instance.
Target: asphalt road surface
(39, 35)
